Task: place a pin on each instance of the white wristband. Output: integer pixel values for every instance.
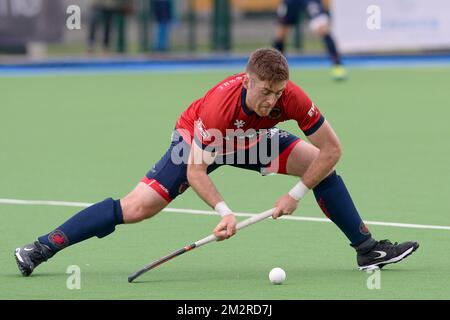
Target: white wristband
(222, 208)
(298, 191)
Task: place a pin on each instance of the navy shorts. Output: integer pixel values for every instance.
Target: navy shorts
(168, 176)
(288, 11)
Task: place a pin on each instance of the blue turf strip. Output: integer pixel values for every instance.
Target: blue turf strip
(86, 65)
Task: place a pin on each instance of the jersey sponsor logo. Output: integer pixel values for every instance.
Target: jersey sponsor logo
(229, 82)
(201, 129)
(275, 113)
(240, 134)
(312, 111)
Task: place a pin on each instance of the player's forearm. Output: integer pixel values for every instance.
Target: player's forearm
(203, 186)
(321, 167)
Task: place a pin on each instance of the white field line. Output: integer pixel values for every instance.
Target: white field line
(207, 212)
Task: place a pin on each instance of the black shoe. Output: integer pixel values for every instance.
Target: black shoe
(30, 256)
(384, 252)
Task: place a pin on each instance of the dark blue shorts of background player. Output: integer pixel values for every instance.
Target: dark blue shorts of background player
(288, 14)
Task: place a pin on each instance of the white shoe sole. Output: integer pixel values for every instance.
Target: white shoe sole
(18, 255)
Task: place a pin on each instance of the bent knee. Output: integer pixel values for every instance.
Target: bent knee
(140, 204)
(133, 213)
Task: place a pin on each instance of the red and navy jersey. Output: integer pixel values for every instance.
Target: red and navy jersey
(223, 108)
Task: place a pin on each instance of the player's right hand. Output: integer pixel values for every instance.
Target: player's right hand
(226, 227)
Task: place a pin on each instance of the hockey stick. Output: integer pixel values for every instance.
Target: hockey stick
(199, 243)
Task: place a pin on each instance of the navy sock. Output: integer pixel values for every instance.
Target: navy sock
(335, 201)
(98, 220)
(331, 49)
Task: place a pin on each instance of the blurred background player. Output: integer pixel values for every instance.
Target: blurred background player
(163, 13)
(102, 15)
(101, 18)
(288, 14)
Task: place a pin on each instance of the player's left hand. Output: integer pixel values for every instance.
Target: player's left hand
(226, 228)
(284, 205)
